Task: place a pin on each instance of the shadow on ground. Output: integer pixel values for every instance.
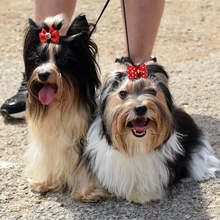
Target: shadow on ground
(13, 121)
(184, 201)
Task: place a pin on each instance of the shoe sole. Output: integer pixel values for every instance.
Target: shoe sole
(19, 115)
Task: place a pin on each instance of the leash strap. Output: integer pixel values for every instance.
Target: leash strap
(126, 32)
(94, 27)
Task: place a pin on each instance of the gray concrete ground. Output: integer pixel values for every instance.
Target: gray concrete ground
(187, 45)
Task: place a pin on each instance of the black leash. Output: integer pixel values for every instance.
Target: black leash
(128, 59)
(126, 30)
(94, 27)
(125, 60)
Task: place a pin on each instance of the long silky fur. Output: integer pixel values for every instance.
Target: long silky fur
(58, 130)
(173, 147)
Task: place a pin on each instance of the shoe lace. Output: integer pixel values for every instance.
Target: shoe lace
(23, 86)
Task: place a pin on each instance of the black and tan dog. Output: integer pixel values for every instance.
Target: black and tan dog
(62, 78)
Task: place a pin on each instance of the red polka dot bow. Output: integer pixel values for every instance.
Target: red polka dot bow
(137, 72)
(52, 35)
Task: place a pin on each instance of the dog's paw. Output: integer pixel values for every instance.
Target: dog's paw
(43, 187)
(93, 194)
(140, 197)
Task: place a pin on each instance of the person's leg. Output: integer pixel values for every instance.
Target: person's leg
(15, 106)
(47, 8)
(143, 19)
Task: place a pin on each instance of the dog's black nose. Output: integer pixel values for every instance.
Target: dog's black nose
(140, 110)
(43, 76)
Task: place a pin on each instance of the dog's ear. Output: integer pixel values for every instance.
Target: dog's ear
(32, 33)
(33, 25)
(79, 25)
(80, 21)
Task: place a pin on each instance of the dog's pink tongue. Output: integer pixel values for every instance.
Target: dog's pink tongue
(139, 125)
(46, 94)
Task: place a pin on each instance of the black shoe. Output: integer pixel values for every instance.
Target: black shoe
(14, 107)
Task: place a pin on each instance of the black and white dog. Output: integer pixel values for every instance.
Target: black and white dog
(141, 143)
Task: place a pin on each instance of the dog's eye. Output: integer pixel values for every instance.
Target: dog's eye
(123, 94)
(151, 92)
